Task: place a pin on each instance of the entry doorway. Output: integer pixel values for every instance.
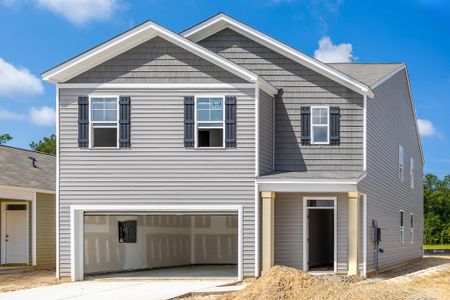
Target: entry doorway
(14, 233)
(319, 231)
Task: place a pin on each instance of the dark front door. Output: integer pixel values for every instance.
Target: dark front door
(321, 239)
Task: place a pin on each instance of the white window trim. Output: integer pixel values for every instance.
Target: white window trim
(402, 228)
(411, 228)
(320, 125)
(196, 122)
(91, 146)
(411, 172)
(401, 163)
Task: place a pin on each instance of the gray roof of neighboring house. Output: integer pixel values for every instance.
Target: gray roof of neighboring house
(313, 175)
(17, 169)
(367, 73)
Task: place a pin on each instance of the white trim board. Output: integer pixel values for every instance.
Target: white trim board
(135, 37)
(306, 230)
(77, 228)
(222, 21)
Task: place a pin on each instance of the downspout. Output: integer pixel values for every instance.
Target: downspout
(257, 216)
(57, 184)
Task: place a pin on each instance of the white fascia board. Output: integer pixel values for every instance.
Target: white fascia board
(222, 21)
(25, 189)
(387, 77)
(137, 36)
(307, 187)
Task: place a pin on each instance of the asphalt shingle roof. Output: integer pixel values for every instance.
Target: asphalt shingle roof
(367, 73)
(16, 169)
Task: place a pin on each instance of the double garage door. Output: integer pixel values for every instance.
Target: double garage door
(168, 243)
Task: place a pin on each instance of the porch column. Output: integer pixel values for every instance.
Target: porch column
(268, 232)
(353, 232)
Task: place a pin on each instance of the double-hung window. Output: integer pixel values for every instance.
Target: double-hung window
(104, 122)
(411, 172)
(401, 163)
(411, 228)
(320, 125)
(402, 228)
(209, 121)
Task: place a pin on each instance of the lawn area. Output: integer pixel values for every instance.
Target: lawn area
(436, 247)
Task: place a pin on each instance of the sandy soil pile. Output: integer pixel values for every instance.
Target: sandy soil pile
(28, 279)
(289, 283)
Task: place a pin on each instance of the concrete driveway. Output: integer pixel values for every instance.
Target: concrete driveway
(99, 290)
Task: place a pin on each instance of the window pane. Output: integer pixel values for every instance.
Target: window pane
(97, 103)
(203, 103)
(217, 115)
(210, 125)
(210, 137)
(110, 103)
(320, 116)
(216, 103)
(97, 115)
(401, 218)
(320, 203)
(320, 134)
(412, 221)
(111, 115)
(104, 137)
(203, 115)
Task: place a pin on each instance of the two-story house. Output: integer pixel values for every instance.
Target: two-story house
(226, 151)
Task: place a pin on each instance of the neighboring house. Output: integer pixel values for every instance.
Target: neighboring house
(28, 211)
(223, 146)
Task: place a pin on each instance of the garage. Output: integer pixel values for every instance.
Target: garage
(157, 242)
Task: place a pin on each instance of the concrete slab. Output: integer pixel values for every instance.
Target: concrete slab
(94, 290)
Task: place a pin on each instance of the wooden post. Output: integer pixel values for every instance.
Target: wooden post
(268, 230)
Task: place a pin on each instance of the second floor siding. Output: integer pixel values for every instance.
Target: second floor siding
(302, 87)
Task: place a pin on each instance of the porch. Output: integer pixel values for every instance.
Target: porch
(317, 225)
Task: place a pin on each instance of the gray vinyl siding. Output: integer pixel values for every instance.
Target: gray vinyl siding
(265, 133)
(289, 229)
(302, 87)
(156, 61)
(391, 123)
(157, 169)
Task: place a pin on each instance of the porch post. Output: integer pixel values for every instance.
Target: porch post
(268, 234)
(353, 232)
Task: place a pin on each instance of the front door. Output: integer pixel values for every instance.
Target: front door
(16, 234)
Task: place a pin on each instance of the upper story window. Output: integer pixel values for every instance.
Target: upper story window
(209, 122)
(320, 125)
(402, 228)
(401, 163)
(411, 172)
(104, 122)
(411, 227)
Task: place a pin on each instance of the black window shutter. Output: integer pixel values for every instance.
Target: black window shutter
(83, 122)
(189, 121)
(230, 121)
(335, 125)
(305, 114)
(124, 122)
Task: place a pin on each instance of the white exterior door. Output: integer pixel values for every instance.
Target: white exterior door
(16, 235)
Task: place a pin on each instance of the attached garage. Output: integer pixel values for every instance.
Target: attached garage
(173, 242)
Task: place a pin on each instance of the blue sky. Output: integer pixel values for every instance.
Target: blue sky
(38, 34)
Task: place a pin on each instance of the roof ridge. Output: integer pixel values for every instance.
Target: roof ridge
(28, 150)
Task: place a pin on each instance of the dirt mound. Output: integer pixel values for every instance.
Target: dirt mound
(288, 283)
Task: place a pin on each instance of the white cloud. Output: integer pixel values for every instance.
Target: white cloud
(42, 116)
(18, 80)
(426, 128)
(330, 53)
(80, 12)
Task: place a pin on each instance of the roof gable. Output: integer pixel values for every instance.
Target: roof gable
(135, 37)
(222, 21)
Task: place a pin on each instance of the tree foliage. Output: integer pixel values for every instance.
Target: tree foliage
(436, 209)
(4, 138)
(46, 145)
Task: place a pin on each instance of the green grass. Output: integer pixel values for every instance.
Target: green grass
(436, 247)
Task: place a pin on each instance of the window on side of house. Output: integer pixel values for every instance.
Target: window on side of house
(401, 163)
(411, 172)
(104, 122)
(411, 228)
(402, 228)
(320, 125)
(209, 122)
